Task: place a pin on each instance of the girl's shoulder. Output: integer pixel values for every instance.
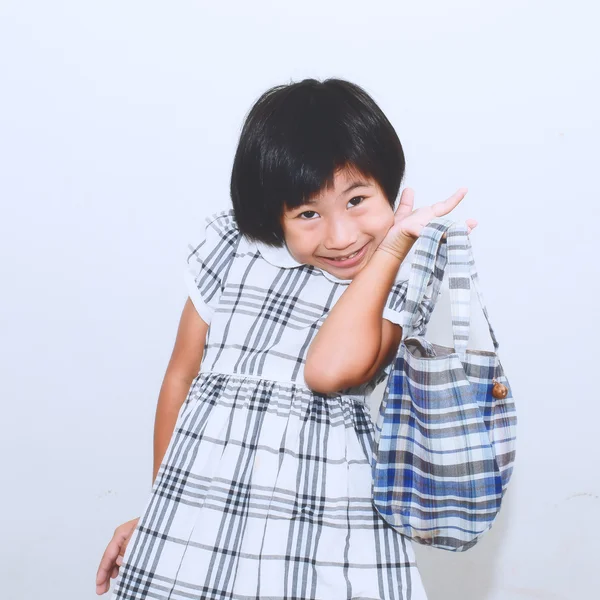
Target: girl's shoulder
(219, 233)
(214, 245)
(209, 259)
(222, 222)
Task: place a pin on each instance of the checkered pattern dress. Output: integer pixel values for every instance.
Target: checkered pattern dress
(265, 488)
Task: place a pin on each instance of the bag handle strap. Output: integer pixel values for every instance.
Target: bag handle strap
(429, 261)
(461, 271)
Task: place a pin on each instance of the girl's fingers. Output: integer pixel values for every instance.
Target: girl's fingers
(106, 565)
(443, 208)
(110, 556)
(113, 555)
(471, 224)
(102, 590)
(407, 201)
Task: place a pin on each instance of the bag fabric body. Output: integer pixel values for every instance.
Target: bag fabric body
(444, 446)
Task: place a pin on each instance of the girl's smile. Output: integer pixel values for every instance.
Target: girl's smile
(340, 230)
(349, 260)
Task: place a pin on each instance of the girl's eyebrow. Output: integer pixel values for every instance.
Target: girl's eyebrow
(355, 184)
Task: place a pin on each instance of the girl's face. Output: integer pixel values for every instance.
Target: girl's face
(339, 230)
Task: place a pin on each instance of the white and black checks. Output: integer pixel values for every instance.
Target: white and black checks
(265, 489)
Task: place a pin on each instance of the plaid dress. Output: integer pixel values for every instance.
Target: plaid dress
(265, 488)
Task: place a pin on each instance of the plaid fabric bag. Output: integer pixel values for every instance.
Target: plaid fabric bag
(445, 434)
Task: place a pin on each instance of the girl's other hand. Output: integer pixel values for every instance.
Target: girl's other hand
(409, 223)
(113, 556)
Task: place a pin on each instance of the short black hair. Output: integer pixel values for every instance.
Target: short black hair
(295, 138)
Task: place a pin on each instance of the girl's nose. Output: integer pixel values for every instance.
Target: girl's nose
(340, 235)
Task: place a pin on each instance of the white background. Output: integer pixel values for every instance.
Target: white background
(118, 125)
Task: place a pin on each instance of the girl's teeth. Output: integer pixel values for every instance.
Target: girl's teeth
(347, 257)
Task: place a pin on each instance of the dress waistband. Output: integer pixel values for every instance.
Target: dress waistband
(362, 398)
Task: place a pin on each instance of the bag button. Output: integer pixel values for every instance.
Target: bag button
(499, 390)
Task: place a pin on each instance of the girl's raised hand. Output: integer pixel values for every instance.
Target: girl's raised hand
(408, 223)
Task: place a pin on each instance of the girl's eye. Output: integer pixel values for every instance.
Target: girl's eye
(307, 212)
(359, 198)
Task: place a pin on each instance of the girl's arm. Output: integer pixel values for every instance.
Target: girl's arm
(355, 341)
(183, 367)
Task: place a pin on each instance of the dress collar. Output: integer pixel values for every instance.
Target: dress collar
(282, 257)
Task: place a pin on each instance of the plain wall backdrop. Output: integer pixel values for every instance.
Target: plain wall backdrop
(118, 125)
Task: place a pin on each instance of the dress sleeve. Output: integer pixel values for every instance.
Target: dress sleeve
(208, 262)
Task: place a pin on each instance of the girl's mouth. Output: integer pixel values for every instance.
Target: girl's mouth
(350, 261)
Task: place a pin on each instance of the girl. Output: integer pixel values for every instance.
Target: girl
(262, 476)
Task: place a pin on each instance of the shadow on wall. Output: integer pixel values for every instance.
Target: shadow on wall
(466, 575)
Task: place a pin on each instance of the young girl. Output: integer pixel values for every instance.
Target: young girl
(262, 476)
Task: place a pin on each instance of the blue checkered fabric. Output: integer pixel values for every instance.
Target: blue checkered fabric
(444, 446)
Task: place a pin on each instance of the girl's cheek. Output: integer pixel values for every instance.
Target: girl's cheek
(389, 221)
(380, 224)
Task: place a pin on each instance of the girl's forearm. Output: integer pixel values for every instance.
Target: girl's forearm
(349, 341)
(173, 393)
